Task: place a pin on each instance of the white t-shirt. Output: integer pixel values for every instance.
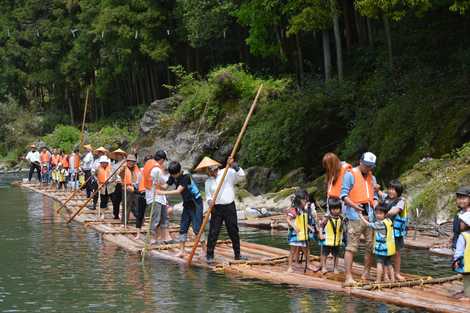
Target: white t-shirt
(158, 177)
(227, 192)
(87, 161)
(33, 156)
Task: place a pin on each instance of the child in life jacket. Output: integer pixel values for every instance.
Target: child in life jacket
(395, 205)
(301, 221)
(384, 244)
(61, 177)
(81, 179)
(462, 198)
(461, 259)
(331, 234)
(54, 176)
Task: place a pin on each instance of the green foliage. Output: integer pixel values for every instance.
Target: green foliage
(112, 137)
(63, 137)
(395, 9)
(460, 6)
(226, 90)
(309, 15)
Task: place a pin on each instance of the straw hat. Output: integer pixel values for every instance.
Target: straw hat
(32, 146)
(207, 162)
(88, 147)
(102, 149)
(115, 153)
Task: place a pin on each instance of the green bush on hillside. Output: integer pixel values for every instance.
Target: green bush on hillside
(64, 137)
(112, 137)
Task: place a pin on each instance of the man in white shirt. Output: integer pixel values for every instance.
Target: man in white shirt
(33, 158)
(160, 221)
(224, 209)
(86, 166)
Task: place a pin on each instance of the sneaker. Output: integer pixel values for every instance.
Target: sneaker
(241, 258)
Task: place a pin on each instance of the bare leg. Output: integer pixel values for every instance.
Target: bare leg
(380, 270)
(367, 264)
(397, 265)
(293, 255)
(335, 266)
(324, 270)
(309, 266)
(348, 261)
(181, 253)
(392, 273)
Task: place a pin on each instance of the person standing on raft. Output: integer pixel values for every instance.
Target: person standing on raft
(358, 195)
(461, 259)
(34, 163)
(116, 185)
(334, 173)
(193, 206)
(132, 178)
(462, 198)
(224, 209)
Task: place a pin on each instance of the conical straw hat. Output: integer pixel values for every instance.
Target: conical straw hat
(207, 162)
(102, 149)
(116, 152)
(89, 147)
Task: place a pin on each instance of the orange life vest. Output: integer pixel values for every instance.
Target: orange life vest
(334, 190)
(363, 190)
(44, 157)
(103, 174)
(146, 182)
(64, 160)
(131, 177)
(76, 160)
(55, 159)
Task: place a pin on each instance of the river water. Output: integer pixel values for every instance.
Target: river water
(48, 266)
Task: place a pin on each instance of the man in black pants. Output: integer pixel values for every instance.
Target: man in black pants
(33, 158)
(224, 209)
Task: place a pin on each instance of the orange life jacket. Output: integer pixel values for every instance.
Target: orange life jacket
(103, 174)
(44, 157)
(363, 190)
(130, 178)
(334, 190)
(55, 159)
(64, 160)
(76, 160)
(146, 182)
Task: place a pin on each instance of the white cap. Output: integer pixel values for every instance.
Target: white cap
(465, 217)
(103, 159)
(369, 159)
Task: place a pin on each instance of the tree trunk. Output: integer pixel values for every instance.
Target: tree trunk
(339, 48)
(348, 24)
(300, 60)
(369, 32)
(388, 35)
(361, 32)
(326, 54)
(69, 101)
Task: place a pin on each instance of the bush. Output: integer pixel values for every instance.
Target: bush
(64, 137)
(112, 137)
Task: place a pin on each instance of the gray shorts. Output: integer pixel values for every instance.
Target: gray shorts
(159, 216)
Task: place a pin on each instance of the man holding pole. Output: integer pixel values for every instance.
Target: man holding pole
(34, 160)
(224, 209)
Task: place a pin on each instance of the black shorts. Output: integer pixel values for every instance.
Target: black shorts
(399, 243)
(385, 260)
(326, 250)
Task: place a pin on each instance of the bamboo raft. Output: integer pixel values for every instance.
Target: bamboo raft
(269, 264)
(423, 239)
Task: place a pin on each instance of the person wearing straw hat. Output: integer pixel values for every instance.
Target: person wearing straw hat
(224, 209)
(86, 165)
(115, 185)
(99, 152)
(461, 259)
(33, 158)
(103, 173)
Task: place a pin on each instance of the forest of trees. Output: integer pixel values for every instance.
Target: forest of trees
(53, 50)
(392, 76)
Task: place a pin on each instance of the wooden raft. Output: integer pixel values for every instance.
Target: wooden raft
(270, 264)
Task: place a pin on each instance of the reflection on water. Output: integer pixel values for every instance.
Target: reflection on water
(48, 266)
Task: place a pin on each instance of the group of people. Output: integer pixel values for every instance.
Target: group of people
(356, 207)
(55, 167)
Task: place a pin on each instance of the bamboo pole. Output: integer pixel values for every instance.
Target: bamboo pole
(94, 193)
(411, 283)
(84, 117)
(216, 194)
(70, 198)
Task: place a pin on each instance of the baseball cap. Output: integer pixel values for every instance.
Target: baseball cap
(463, 191)
(369, 159)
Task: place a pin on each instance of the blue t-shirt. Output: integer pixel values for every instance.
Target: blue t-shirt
(351, 213)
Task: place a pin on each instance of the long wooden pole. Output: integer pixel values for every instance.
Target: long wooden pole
(84, 117)
(94, 193)
(411, 283)
(219, 186)
(71, 196)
